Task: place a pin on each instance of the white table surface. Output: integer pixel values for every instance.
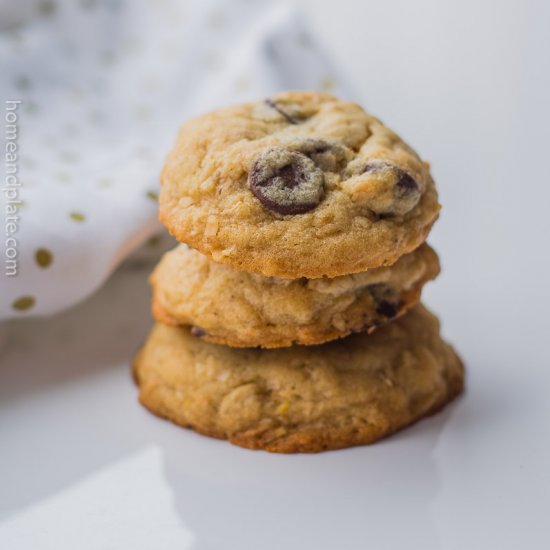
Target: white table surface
(82, 465)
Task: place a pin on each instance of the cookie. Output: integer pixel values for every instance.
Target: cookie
(242, 309)
(347, 392)
(300, 185)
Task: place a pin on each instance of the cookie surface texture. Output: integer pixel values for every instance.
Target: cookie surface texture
(348, 392)
(300, 185)
(242, 309)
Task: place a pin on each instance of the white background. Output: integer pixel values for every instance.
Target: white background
(467, 83)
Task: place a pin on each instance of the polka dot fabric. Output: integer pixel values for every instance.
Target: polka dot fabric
(104, 86)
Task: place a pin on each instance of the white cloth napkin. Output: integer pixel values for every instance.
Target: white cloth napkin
(104, 86)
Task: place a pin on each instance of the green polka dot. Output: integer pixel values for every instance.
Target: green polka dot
(71, 130)
(31, 107)
(97, 118)
(132, 44)
(67, 156)
(144, 152)
(22, 83)
(213, 61)
(142, 112)
(113, 5)
(217, 20)
(242, 84)
(15, 35)
(154, 241)
(104, 182)
(305, 40)
(88, 4)
(47, 8)
(43, 257)
(149, 84)
(75, 92)
(107, 57)
(28, 162)
(153, 195)
(77, 216)
(48, 140)
(328, 83)
(23, 303)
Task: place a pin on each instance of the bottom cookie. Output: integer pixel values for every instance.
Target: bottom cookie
(302, 399)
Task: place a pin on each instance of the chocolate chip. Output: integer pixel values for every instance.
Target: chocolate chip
(385, 298)
(403, 195)
(198, 331)
(387, 309)
(329, 157)
(285, 181)
(405, 185)
(289, 118)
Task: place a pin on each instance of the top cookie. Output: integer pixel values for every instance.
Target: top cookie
(300, 185)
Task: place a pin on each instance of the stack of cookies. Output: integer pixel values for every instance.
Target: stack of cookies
(289, 317)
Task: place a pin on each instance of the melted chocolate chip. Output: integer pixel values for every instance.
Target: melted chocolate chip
(198, 331)
(386, 301)
(405, 185)
(329, 157)
(289, 118)
(405, 190)
(387, 309)
(286, 182)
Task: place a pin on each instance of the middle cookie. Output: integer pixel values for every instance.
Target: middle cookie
(242, 309)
